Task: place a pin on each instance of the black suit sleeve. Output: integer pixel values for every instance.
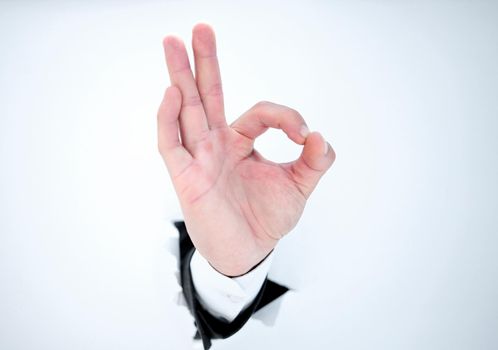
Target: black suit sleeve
(208, 326)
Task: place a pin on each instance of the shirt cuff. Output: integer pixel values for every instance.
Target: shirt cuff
(222, 296)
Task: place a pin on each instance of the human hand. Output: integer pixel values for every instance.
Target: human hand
(236, 204)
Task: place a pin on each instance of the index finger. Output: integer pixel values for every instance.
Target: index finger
(266, 115)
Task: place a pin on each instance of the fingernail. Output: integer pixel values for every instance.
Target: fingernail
(325, 145)
(304, 131)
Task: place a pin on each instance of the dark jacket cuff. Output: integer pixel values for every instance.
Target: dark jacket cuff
(208, 326)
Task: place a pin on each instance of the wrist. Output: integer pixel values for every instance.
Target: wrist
(233, 272)
(223, 296)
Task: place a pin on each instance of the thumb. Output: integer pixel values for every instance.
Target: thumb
(316, 158)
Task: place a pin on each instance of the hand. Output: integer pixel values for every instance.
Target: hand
(236, 204)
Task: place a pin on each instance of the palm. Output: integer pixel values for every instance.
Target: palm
(237, 205)
(258, 200)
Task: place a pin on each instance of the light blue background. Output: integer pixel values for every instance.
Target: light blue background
(404, 226)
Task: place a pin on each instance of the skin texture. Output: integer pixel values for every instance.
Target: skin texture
(236, 204)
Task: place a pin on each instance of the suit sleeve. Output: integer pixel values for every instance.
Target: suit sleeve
(210, 326)
(223, 296)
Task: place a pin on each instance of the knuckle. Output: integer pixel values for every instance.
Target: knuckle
(213, 90)
(192, 101)
(263, 104)
(295, 114)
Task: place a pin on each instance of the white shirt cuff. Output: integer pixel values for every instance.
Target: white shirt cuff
(222, 296)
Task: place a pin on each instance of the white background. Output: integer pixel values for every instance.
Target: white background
(397, 248)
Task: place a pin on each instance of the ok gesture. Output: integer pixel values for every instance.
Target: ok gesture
(236, 204)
